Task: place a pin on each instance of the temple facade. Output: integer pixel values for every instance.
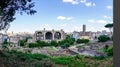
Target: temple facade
(48, 35)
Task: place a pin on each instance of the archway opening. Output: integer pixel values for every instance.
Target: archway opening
(48, 36)
(40, 36)
(57, 35)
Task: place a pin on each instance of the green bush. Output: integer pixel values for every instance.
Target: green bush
(66, 45)
(20, 59)
(68, 40)
(110, 51)
(80, 57)
(54, 43)
(69, 61)
(24, 56)
(99, 57)
(103, 38)
(82, 41)
(76, 63)
(38, 56)
(5, 41)
(42, 43)
(22, 42)
(62, 60)
(32, 45)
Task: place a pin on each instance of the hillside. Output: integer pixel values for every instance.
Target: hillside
(19, 59)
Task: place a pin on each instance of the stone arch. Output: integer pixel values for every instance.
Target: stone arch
(40, 36)
(57, 35)
(39, 33)
(49, 36)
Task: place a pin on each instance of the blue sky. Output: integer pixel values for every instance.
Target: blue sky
(68, 15)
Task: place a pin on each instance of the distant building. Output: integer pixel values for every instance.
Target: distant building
(84, 28)
(84, 34)
(3, 38)
(48, 35)
(104, 32)
(14, 40)
(31, 40)
(76, 35)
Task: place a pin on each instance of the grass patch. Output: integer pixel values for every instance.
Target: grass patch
(10, 58)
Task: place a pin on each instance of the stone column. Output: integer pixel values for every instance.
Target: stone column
(61, 36)
(44, 35)
(44, 32)
(35, 37)
(53, 34)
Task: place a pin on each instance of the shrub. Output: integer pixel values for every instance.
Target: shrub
(99, 57)
(66, 45)
(5, 41)
(32, 45)
(22, 42)
(38, 56)
(82, 41)
(54, 43)
(110, 51)
(103, 38)
(42, 43)
(62, 60)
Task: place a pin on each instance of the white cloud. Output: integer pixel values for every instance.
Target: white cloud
(101, 21)
(69, 18)
(97, 21)
(89, 4)
(75, 2)
(46, 25)
(76, 28)
(110, 22)
(107, 17)
(64, 18)
(94, 4)
(91, 21)
(109, 7)
(62, 25)
(61, 18)
(71, 1)
(82, 1)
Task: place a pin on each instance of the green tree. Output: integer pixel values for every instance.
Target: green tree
(66, 45)
(22, 42)
(110, 51)
(61, 42)
(73, 39)
(110, 26)
(5, 45)
(5, 41)
(26, 39)
(69, 39)
(43, 43)
(54, 43)
(68, 36)
(32, 45)
(8, 9)
(103, 38)
(40, 42)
